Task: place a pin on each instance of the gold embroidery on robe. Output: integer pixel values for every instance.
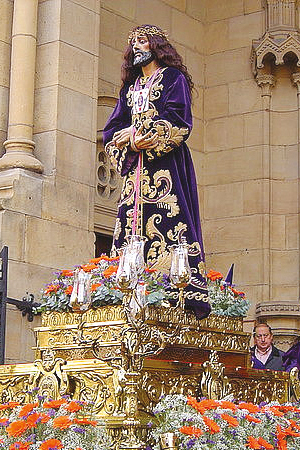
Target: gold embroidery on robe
(155, 191)
(114, 153)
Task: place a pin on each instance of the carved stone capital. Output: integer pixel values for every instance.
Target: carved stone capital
(277, 309)
(296, 80)
(266, 82)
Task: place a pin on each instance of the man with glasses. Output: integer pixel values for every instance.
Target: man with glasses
(264, 354)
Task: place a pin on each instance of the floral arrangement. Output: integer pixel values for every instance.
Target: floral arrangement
(154, 287)
(224, 299)
(224, 424)
(103, 287)
(50, 425)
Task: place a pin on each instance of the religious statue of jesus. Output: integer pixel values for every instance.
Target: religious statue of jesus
(145, 140)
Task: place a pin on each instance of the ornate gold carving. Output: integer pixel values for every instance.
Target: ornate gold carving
(110, 313)
(154, 384)
(214, 384)
(295, 383)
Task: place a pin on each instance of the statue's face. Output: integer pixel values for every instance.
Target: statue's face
(142, 54)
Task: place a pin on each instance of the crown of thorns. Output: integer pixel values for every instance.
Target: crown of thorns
(141, 31)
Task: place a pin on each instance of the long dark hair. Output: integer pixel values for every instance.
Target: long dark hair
(165, 55)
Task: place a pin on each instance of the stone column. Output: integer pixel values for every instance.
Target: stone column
(266, 82)
(19, 145)
(296, 82)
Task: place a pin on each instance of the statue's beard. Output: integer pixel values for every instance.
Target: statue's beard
(142, 59)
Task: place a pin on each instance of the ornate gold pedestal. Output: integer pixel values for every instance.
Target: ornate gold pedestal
(124, 366)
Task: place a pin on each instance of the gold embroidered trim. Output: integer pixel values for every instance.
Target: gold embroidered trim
(116, 155)
(169, 136)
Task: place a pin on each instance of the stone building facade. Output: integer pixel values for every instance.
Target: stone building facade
(59, 80)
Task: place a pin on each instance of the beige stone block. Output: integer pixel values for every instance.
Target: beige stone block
(124, 8)
(284, 162)
(123, 28)
(45, 150)
(287, 121)
(84, 21)
(251, 6)
(48, 29)
(178, 4)
(232, 165)
(195, 139)
(31, 278)
(277, 232)
(284, 268)
(19, 337)
(76, 69)
(26, 198)
(66, 202)
(6, 8)
(75, 159)
(228, 66)
(80, 123)
(244, 96)
(198, 160)
(197, 102)
(223, 201)
(253, 128)
(291, 161)
(285, 197)
(108, 28)
(187, 31)
(4, 64)
(57, 245)
(154, 12)
(45, 109)
(13, 236)
(107, 89)
(238, 233)
(284, 96)
(195, 65)
(224, 133)
(4, 98)
(255, 196)
(292, 232)
(47, 64)
(197, 9)
(102, 116)
(242, 29)
(248, 267)
(216, 102)
(217, 10)
(110, 72)
(281, 292)
(216, 37)
(93, 5)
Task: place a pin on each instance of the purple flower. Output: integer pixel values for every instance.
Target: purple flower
(78, 430)
(149, 424)
(31, 438)
(190, 443)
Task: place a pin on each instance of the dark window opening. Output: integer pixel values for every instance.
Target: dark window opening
(103, 244)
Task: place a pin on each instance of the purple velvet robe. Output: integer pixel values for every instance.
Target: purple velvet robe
(170, 206)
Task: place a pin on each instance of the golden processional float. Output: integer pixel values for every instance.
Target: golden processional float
(124, 357)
